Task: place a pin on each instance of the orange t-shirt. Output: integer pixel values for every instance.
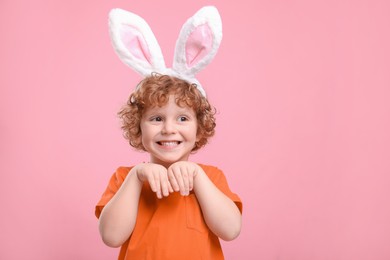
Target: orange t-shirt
(172, 227)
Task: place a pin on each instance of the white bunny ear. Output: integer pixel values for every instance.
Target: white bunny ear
(198, 42)
(135, 43)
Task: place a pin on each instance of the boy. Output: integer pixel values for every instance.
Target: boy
(170, 207)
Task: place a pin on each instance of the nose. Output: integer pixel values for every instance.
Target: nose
(168, 128)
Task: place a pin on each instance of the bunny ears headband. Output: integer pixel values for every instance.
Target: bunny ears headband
(136, 45)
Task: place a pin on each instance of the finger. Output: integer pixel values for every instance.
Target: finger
(186, 181)
(180, 181)
(170, 189)
(172, 180)
(156, 179)
(164, 184)
(152, 183)
(190, 180)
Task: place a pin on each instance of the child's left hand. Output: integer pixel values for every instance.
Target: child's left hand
(181, 175)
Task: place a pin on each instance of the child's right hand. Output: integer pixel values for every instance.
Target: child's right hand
(157, 177)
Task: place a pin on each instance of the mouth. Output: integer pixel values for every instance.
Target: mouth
(169, 143)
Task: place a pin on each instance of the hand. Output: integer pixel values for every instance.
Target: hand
(157, 177)
(181, 176)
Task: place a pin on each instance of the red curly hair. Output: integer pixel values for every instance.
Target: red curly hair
(155, 91)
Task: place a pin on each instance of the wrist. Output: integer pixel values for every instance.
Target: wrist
(136, 174)
(199, 176)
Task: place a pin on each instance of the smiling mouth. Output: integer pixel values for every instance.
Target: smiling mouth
(169, 143)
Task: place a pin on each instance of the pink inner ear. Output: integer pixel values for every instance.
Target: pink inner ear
(199, 44)
(135, 43)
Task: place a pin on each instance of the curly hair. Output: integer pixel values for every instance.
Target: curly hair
(155, 91)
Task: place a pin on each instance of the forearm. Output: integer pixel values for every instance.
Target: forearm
(118, 217)
(221, 214)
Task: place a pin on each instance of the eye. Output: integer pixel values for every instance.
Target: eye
(156, 119)
(183, 118)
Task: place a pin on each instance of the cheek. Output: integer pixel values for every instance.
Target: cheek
(148, 132)
(144, 134)
(198, 133)
(145, 137)
(145, 129)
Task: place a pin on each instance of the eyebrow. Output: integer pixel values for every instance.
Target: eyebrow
(185, 108)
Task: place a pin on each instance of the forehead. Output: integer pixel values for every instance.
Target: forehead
(172, 105)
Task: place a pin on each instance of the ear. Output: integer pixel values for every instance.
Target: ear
(135, 43)
(198, 42)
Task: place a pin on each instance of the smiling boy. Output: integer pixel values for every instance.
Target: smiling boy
(169, 207)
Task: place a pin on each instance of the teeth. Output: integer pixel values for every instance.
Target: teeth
(173, 143)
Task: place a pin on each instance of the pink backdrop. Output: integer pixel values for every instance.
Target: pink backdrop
(302, 88)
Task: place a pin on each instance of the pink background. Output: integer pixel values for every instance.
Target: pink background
(302, 89)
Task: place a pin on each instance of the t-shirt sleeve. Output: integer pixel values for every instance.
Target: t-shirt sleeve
(219, 180)
(113, 186)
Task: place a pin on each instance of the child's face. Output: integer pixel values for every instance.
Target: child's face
(169, 133)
